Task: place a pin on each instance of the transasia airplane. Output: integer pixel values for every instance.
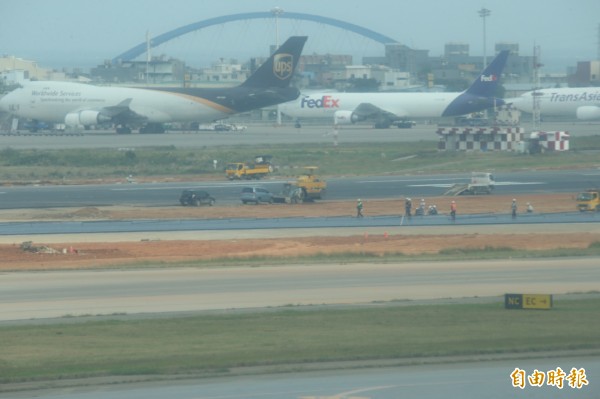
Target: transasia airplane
(577, 102)
(388, 109)
(78, 104)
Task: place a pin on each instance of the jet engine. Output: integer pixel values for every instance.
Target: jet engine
(588, 112)
(86, 118)
(346, 118)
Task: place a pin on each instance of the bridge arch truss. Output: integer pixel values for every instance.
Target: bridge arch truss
(165, 37)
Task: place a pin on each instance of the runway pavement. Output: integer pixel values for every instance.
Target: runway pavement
(465, 380)
(256, 134)
(35, 295)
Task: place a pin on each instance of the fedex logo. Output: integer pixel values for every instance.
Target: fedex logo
(490, 78)
(323, 102)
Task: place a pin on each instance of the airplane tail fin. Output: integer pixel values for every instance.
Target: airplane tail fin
(485, 85)
(278, 70)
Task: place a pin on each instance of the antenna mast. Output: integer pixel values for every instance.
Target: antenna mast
(536, 114)
(598, 55)
(148, 57)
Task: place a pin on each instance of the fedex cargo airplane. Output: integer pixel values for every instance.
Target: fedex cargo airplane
(387, 109)
(77, 104)
(580, 102)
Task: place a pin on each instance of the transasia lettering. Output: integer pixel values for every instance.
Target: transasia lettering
(585, 96)
(323, 102)
(55, 93)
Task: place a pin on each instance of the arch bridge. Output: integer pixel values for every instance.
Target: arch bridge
(165, 37)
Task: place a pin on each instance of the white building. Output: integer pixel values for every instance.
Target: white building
(15, 70)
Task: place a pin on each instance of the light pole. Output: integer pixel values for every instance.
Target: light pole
(483, 13)
(277, 11)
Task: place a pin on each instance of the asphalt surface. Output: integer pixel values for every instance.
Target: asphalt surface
(470, 380)
(343, 188)
(34, 295)
(255, 134)
(197, 225)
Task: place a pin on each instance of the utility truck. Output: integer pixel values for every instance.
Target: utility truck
(261, 167)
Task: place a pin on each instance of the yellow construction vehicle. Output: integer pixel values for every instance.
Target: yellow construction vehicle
(589, 200)
(312, 187)
(307, 188)
(261, 167)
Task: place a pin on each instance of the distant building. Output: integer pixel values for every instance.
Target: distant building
(512, 47)
(228, 72)
(158, 70)
(391, 79)
(15, 70)
(401, 57)
(456, 49)
(322, 69)
(399, 68)
(587, 73)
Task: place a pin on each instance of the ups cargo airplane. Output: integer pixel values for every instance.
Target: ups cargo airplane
(387, 109)
(577, 102)
(77, 104)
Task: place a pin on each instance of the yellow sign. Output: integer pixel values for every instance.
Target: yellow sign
(533, 301)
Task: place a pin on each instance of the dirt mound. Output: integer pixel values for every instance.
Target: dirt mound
(89, 212)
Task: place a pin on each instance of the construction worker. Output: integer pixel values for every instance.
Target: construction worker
(407, 207)
(359, 208)
(420, 211)
(453, 210)
(513, 208)
(529, 207)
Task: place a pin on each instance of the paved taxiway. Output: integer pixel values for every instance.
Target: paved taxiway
(470, 380)
(339, 188)
(30, 228)
(28, 295)
(256, 134)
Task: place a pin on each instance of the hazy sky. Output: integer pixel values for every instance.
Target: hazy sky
(84, 33)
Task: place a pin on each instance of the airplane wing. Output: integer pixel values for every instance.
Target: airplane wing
(370, 111)
(123, 114)
(367, 111)
(117, 114)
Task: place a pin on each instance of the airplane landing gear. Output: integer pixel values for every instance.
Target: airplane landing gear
(152, 128)
(122, 129)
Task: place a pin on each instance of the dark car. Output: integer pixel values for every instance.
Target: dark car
(196, 198)
(223, 127)
(256, 195)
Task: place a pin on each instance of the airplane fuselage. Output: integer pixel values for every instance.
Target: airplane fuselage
(562, 101)
(52, 101)
(403, 105)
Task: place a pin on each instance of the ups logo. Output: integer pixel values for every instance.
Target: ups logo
(282, 65)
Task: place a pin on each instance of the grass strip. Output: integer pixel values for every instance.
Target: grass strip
(214, 343)
(27, 165)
